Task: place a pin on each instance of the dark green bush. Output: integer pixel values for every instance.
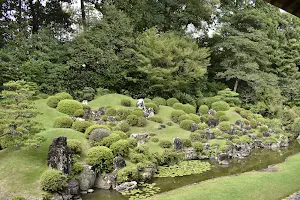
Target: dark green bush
(75, 145)
(152, 105)
(208, 100)
(123, 113)
(198, 146)
(195, 118)
(110, 112)
(97, 135)
(296, 126)
(165, 143)
(86, 107)
(170, 157)
(132, 120)
(220, 106)
(132, 143)
(178, 106)
(53, 180)
(195, 137)
(120, 148)
(147, 100)
(142, 122)
(142, 149)
(138, 112)
(156, 119)
(107, 141)
(68, 106)
(187, 124)
(172, 101)
(63, 122)
(126, 102)
(154, 139)
(124, 126)
(160, 101)
(52, 101)
(79, 113)
(63, 96)
(253, 123)
(101, 158)
(203, 109)
(137, 157)
(184, 117)
(287, 116)
(176, 114)
(81, 126)
(128, 173)
(244, 114)
(187, 108)
(225, 126)
(223, 118)
(186, 142)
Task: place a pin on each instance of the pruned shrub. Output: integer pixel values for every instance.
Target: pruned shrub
(172, 101)
(165, 144)
(296, 126)
(176, 114)
(184, 117)
(220, 106)
(110, 112)
(95, 126)
(128, 173)
(154, 139)
(245, 139)
(132, 143)
(107, 141)
(263, 128)
(18, 198)
(195, 137)
(169, 157)
(141, 122)
(142, 149)
(124, 126)
(160, 101)
(137, 157)
(156, 119)
(53, 180)
(68, 106)
(195, 118)
(224, 126)
(186, 142)
(223, 118)
(77, 168)
(63, 96)
(202, 126)
(104, 118)
(79, 113)
(75, 145)
(121, 134)
(203, 109)
(97, 135)
(86, 107)
(198, 146)
(187, 124)
(219, 114)
(153, 106)
(253, 123)
(188, 108)
(52, 101)
(101, 158)
(138, 112)
(147, 100)
(120, 148)
(81, 126)
(123, 113)
(169, 123)
(178, 106)
(63, 122)
(132, 120)
(126, 102)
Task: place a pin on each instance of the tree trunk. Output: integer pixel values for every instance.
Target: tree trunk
(83, 14)
(236, 85)
(34, 21)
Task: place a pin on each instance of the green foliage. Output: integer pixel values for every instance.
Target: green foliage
(154, 139)
(120, 148)
(202, 126)
(195, 118)
(253, 123)
(186, 124)
(53, 180)
(176, 114)
(287, 116)
(152, 105)
(172, 101)
(97, 135)
(132, 142)
(132, 120)
(52, 101)
(128, 173)
(263, 128)
(169, 123)
(63, 95)
(186, 143)
(75, 145)
(178, 106)
(79, 113)
(170, 157)
(156, 119)
(232, 98)
(187, 108)
(246, 139)
(195, 137)
(184, 117)
(198, 146)
(63, 122)
(126, 102)
(104, 118)
(95, 126)
(124, 126)
(81, 126)
(296, 126)
(107, 141)
(165, 143)
(142, 122)
(121, 134)
(18, 198)
(138, 112)
(110, 112)
(101, 158)
(224, 126)
(68, 106)
(223, 118)
(220, 106)
(160, 101)
(203, 109)
(208, 100)
(77, 168)
(123, 113)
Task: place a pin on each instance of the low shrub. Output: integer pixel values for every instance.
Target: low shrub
(186, 124)
(126, 102)
(132, 143)
(86, 107)
(170, 157)
(203, 109)
(195, 137)
(202, 126)
(154, 139)
(97, 135)
(18, 198)
(121, 134)
(238, 110)
(263, 128)
(156, 119)
(123, 113)
(172, 101)
(132, 120)
(68, 106)
(219, 114)
(63, 96)
(137, 157)
(101, 158)
(253, 123)
(53, 180)
(184, 117)
(160, 101)
(142, 149)
(223, 118)
(128, 173)
(198, 146)
(110, 112)
(52, 101)
(124, 126)
(176, 114)
(63, 122)
(195, 118)
(120, 148)
(75, 145)
(220, 106)
(178, 106)
(188, 108)
(169, 123)
(81, 126)
(95, 126)
(165, 144)
(186, 142)
(77, 168)
(224, 126)
(138, 112)
(104, 118)
(153, 106)
(261, 120)
(245, 139)
(147, 100)
(109, 140)
(79, 113)
(142, 122)
(244, 114)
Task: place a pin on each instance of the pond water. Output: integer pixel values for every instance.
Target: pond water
(259, 159)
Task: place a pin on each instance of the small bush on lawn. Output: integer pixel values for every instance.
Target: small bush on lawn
(187, 124)
(120, 148)
(165, 143)
(53, 180)
(137, 157)
(169, 157)
(188, 108)
(253, 123)
(154, 139)
(142, 149)
(107, 141)
(75, 145)
(223, 118)
(123, 113)
(128, 173)
(126, 102)
(220, 106)
(186, 142)
(152, 105)
(63, 122)
(263, 128)
(81, 126)
(79, 113)
(156, 119)
(138, 112)
(198, 146)
(184, 117)
(97, 135)
(132, 120)
(121, 134)
(95, 126)
(132, 143)
(160, 101)
(176, 114)
(178, 106)
(224, 126)
(142, 122)
(52, 101)
(203, 109)
(101, 158)
(195, 118)
(68, 106)
(110, 112)
(104, 118)
(219, 114)
(169, 123)
(124, 126)
(246, 139)
(63, 96)
(172, 101)
(86, 107)
(202, 126)
(195, 137)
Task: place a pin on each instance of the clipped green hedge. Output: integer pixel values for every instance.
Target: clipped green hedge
(172, 101)
(178, 106)
(176, 114)
(224, 126)
(203, 109)
(156, 119)
(120, 148)
(81, 126)
(142, 122)
(187, 124)
(52, 101)
(101, 158)
(160, 101)
(63, 122)
(126, 102)
(123, 113)
(95, 126)
(132, 120)
(79, 113)
(220, 106)
(110, 112)
(53, 180)
(188, 108)
(75, 145)
(124, 126)
(68, 106)
(63, 96)
(165, 144)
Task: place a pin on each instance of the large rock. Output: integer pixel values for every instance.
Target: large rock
(147, 174)
(209, 134)
(241, 150)
(106, 181)
(139, 136)
(73, 187)
(119, 163)
(223, 159)
(191, 154)
(87, 178)
(295, 197)
(60, 155)
(87, 114)
(212, 123)
(177, 144)
(126, 186)
(212, 112)
(194, 127)
(239, 123)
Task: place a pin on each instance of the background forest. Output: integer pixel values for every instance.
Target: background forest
(146, 48)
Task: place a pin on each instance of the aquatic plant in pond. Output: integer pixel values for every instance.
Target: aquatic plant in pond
(144, 190)
(183, 168)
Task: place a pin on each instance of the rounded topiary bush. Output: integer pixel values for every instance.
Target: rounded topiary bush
(75, 145)
(165, 144)
(178, 106)
(203, 109)
(186, 142)
(95, 126)
(52, 101)
(101, 158)
(223, 118)
(195, 118)
(81, 126)
(126, 102)
(120, 148)
(195, 137)
(132, 142)
(63, 95)
(124, 126)
(198, 146)
(110, 112)
(121, 134)
(132, 120)
(156, 119)
(68, 106)
(153, 106)
(142, 121)
(224, 126)
(79, 113)
(176, 114)
(220, 113)
(169, 123)
(220, 106)
(172, 101)
(184, 117)
(263, 128)
(154, 139)
(160, 101)
(53, 180)
(188, 108)
(253, 123)
(97, 135)
(138, 112)
(18, 198)
(123, 113)
(107, 141)
(63, 122)
(186, 124)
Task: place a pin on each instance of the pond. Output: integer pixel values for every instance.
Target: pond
(259, 159)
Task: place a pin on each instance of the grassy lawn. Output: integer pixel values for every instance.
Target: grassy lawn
(250, 185)
(110, 100)
(233, 116)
